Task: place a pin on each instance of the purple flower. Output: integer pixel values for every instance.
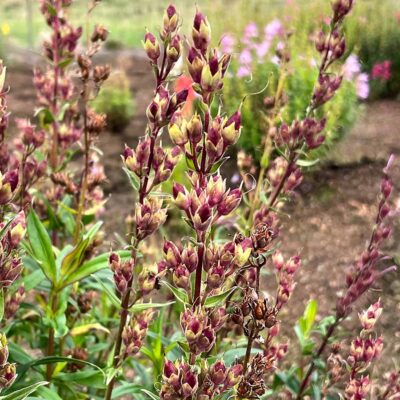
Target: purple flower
(351, 67)
(250, 32)
(228, 43)
(362, 86)
(274, 28)
(245, 60)
(245, 57)
(262, 49)
(243, 71)
(382, 70)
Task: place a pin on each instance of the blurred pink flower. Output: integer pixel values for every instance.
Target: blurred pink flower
(250, 32)
(382, 70)
(351, 67)
(362, 86)
(228, 43)
(262, 49)
(245, 57)
(243, 71)
(274, 28)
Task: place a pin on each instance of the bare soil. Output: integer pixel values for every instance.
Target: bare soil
(330, 218)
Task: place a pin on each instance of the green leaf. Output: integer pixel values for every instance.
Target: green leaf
(1, 304)
(126, 389)
(179, 294)
(40, 246)
(218, 165)
(74, 258)
(307, 163)
(23, 393)
(151, 395)
(83, 329)
(48, 394)
(22, 369)
(133, 179)
(213, 301)
(144, 306)
(289, 380)
(45, 116)
(92, 266)
(33, 279)
(94, 379)
(306, 322)
(64, 63)
(110, 294)
(5, 228)
(18, 355)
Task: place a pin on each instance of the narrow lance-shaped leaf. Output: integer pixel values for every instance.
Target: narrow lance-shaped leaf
(22, 394)
(92, 266)
(40, 246)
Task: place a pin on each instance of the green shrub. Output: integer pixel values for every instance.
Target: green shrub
(375, 34)
(262, 84)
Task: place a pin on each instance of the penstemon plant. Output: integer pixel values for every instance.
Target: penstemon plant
(90, 317)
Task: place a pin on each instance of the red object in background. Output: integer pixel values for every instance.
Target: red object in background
(184, 82)
(382, 71)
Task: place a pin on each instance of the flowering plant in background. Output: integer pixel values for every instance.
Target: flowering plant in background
(382, 70)
(92, 321)
(266, 61)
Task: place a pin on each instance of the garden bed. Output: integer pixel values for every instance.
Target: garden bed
(330, 216)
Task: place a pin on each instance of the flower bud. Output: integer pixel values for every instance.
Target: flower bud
(195, 65)
(181, 276)
(172, 254)
(230, 201)
(174, 49)
(189, 384)
(234, 375)
(96, 122)
(181, 196)
(218, 372)
(123, 272)
(201, 32)
(293, 265)
(3, 350)
(341, 8)
(149, 217)
(231, 129)
(215, 190)
(171, 20)
(369, 317)
(101, 73)
(189, 258)
(278, 260)
(195, 129)
(13, 302)
(202, 218)
(177, 130)
(147, 279)
(211, 75)
(100, 33)
(18, 229)
(8, 184)
(134, 334)
(171, 374)
(386, 188)
(151, 47)
(215, 276)
(242, 254)
(8, 373)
